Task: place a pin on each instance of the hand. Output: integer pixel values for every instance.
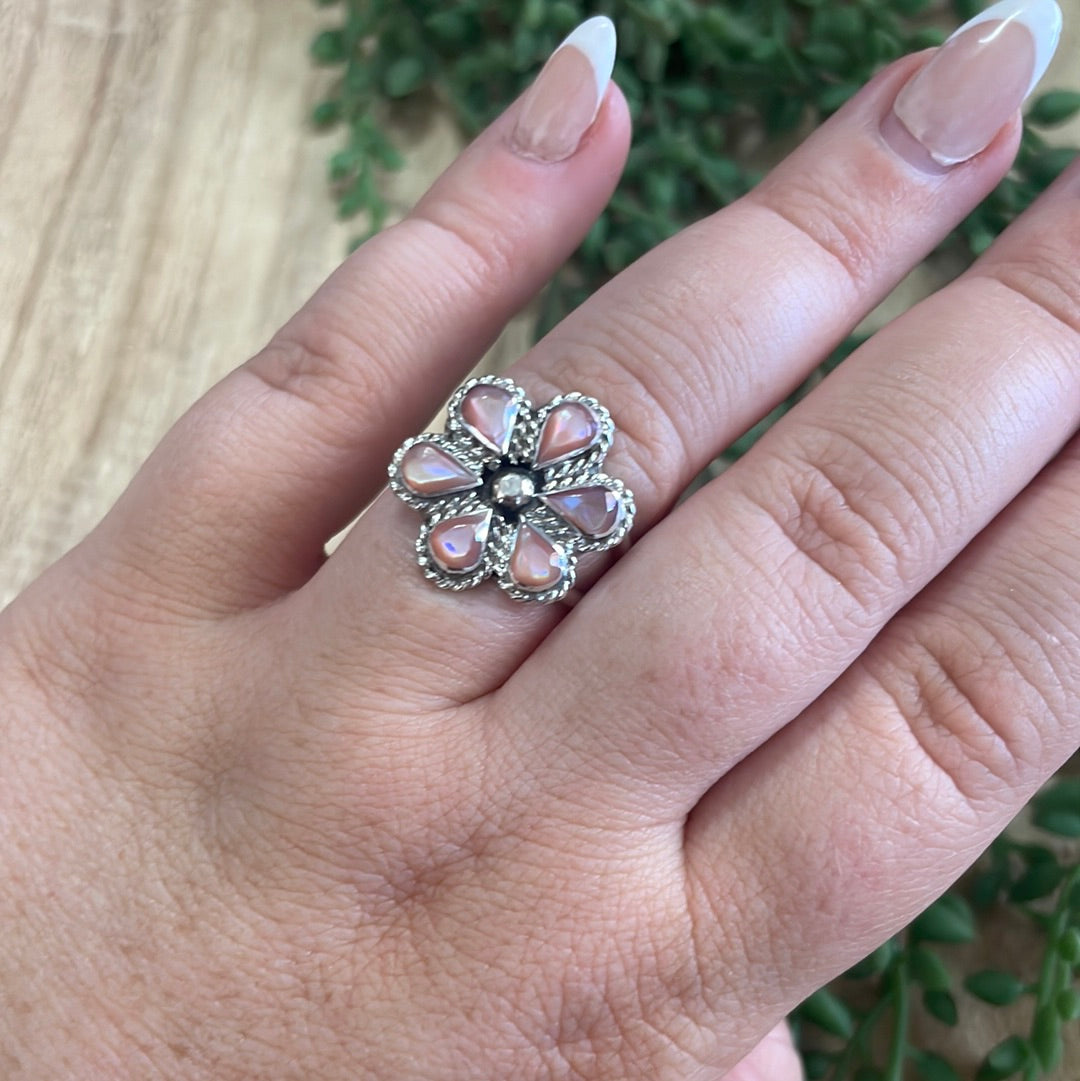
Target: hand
(269, 815)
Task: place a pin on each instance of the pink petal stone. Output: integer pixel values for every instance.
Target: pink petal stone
(457, 544)
(489, 412)
(568, 429)
(537, 563)
(595, 511)
(429, 470)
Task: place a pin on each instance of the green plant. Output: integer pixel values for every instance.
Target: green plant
(865, 1016)
(719, 91)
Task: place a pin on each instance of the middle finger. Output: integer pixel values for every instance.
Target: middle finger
(687, 348)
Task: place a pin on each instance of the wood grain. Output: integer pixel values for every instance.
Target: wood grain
(162, 211)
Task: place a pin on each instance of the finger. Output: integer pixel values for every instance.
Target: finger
(687, 349)
(850, 821)
(758, 592)
(240, 499)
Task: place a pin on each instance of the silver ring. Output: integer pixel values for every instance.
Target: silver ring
(512, 492)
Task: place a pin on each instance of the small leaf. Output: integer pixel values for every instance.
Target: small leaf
(1067, 1004)
(1069, 946)
(326, 113)
(1062, 794)
(1005, 1059)
(928, 970)
(829, 1013)
(875, 963)
(817, 1065)
(948, 919)
(931, 1067)
(987, 886)
(826, 54)
(942, 1006)
(1038, 881)
(1046, 1039)
(329, 47)
(832, 97)
(1063, 823)
(997, 988)
(404, 76)
(1055, 107)
(1047, 166)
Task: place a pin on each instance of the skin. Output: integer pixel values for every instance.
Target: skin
(269, 815)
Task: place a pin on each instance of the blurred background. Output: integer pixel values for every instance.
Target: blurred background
(177, 177)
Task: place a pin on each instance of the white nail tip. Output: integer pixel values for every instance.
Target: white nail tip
(1043, 20)
(595, 39)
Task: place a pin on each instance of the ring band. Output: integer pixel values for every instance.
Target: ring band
(512, 492)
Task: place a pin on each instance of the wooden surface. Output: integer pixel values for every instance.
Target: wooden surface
(162, 210)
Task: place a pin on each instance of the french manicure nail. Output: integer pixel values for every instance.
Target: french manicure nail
(972, 86)
(559, 108)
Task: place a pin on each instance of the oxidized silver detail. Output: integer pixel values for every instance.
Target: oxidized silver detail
(513, 488)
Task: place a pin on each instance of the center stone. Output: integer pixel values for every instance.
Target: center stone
(513, 490)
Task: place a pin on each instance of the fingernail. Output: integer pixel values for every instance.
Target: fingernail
(972, 86)
(559, 108)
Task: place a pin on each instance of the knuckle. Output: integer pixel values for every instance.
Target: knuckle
(855, 512)
(481, 244)
(320, 369)
(654, 368)
(973, 714)
(1043, 272)
(846, 231)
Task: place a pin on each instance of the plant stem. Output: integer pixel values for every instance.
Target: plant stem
(894, 1068)
(1047, 985)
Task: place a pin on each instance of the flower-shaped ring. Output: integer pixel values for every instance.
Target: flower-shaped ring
(513, 492)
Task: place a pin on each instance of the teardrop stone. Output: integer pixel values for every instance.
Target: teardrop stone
(569, 429)
(489, 412)
(457, 544)
(537, 563)
(429, 470)
(595, 510)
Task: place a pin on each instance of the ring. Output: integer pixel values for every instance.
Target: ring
(511, 492)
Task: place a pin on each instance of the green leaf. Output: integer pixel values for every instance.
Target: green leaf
(326, 114)
(1067, 1004)
(987, 886)
(826, 54)
(997, 988)
(404, 76)
(1055, 107)
(1069, 946)
(948, 919)
(1006, 1059)
(1038, 881)
(928, 970)
(1046, 1038)
(817, 1065)
(1063, 823)
(329, 47)
(931, 1067)
(942, 1006)
(832, 97)
(1045, 168)
(875, 963)
(1062, 794)
(868, 1073)
(829, 1013)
